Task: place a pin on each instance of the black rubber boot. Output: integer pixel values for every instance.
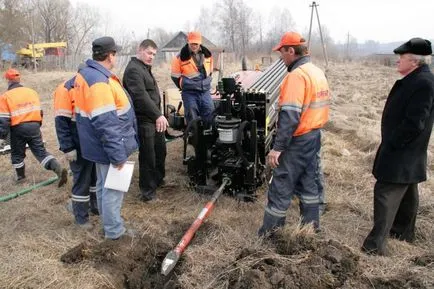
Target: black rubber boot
(21, 176)
(61, 173)
(270, 225)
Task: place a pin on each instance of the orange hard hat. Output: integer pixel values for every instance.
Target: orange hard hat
(194, 37)
(12, 74)
(290, 39)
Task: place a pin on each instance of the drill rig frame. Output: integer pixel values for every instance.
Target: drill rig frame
(236, 144)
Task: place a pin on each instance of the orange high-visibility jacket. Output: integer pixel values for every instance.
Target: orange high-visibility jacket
(304, 102)
(64, 120)
(20, 104)
(63, 102)
(186, 74)
(105, 118)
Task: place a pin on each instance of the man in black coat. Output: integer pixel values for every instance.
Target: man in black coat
(401, 160)
(143, 89)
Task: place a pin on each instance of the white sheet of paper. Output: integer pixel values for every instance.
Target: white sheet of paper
(119, 180)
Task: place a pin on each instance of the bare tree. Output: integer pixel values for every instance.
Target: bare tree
(228, 17)
(13, 23)
(206, 24)
(54, 16)
(82, 28)
(280, 21)
(245, 28)
(160, 36)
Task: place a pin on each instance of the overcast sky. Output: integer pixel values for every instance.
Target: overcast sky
(380, 20)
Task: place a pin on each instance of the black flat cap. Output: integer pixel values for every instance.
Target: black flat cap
(104, 44)
(416, 46)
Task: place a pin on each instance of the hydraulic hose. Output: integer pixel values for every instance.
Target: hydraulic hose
(27, 190)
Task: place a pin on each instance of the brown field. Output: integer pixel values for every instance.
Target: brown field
(226, 253)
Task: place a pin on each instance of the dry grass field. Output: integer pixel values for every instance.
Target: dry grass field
(37, 231)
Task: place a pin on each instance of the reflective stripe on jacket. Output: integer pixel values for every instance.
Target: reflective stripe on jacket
(187, 75)
(304, 102)
(66, 128)
(106, 122)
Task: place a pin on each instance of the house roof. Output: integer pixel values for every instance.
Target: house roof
(180, 39)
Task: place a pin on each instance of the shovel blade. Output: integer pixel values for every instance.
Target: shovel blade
(169, 262)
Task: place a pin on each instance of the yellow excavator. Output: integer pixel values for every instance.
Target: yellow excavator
(38, 51)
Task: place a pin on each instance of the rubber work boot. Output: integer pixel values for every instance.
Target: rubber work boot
(61, 173)
(21, 176)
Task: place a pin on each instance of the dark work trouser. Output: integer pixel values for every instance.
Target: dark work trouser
(294, 175)
(319, 179)
(198, 104)
(83, 188)
(395, 211)
(28, 133)
(152, 157)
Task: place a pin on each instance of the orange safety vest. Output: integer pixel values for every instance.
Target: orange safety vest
(20, 104)
(306, 90)
(189, 69)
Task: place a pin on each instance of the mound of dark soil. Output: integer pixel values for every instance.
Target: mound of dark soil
(301, 261)
(134, 263)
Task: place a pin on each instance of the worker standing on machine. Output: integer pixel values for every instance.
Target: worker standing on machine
(304, 109)
(191, 73)
(20, 111)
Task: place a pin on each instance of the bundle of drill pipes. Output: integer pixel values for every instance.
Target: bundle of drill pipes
(269, 84)
(271, 79)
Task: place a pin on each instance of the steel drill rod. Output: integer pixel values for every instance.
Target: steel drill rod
(264, 77)
(273, 77)
(261, 78)
(173, 256)
(269, 78)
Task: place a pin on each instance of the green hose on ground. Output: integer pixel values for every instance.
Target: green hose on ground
(41, 184)
(27, 190)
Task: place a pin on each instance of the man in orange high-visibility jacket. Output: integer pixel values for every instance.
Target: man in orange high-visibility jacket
(20, 111)
(191, 72)
(84, 174)
(107, 128)
(304, 109)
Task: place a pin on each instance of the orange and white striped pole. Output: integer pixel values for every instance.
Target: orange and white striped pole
(173, 256)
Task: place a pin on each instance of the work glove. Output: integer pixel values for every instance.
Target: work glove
(71, 156)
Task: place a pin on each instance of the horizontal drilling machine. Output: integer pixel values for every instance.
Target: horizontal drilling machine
(234, 147)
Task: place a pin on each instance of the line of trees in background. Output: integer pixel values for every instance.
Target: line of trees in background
(24, 21)
(231, 24)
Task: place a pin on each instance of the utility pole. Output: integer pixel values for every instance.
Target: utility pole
(33, 42)
(348, 46)
(314, 7)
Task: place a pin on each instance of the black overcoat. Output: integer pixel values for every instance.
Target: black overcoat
(406, 127)
(143, 89)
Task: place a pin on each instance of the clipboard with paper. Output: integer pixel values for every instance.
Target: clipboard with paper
(120, 180)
